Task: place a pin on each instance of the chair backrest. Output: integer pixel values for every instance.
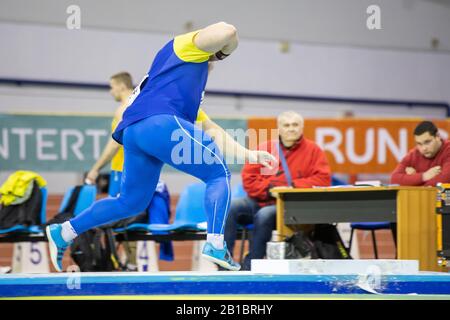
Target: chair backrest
(86, 197)
(191, 205)
(238, 192)
(43, 213)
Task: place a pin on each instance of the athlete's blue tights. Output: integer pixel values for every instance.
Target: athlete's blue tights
(148, 144)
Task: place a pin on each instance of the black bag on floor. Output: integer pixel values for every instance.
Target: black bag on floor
(94, 250)
(324, 242)
(328, 243)
(27, 213)
(299, 246)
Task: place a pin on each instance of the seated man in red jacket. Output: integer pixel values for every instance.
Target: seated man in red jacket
(308, 167)
(428, 163)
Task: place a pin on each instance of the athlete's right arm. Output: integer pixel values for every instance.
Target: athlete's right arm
(231, 147)
(108, 153)
(217, 37)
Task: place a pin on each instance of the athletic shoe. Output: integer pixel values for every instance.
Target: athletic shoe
(56, 244)
(222, 257)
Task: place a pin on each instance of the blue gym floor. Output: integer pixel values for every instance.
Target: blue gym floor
(220, 285)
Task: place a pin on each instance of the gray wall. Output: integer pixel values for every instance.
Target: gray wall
(406, 24)
(332, 53)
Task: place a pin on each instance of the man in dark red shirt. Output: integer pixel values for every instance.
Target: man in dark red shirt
(308, 167)
(428, 163)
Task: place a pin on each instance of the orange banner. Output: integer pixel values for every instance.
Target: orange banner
(356, 146)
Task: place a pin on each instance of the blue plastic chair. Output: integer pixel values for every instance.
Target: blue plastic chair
(336, 181)
(190, 212)
(142, 226)
(43, 217)
(86, 198)
(238, 192)
(134, 227)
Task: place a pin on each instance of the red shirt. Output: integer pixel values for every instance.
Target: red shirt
(421, 164)
(307, 164)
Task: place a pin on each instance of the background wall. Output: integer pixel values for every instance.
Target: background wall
(332, 51)
(406, 24)
(331, 54)
(90, 55)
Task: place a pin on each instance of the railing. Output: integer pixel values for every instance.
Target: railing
(237, 95)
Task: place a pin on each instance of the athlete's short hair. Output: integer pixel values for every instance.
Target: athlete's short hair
(125, 78)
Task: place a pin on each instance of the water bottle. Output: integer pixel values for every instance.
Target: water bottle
(276, 249)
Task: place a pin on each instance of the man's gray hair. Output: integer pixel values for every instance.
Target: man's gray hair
(290, 114)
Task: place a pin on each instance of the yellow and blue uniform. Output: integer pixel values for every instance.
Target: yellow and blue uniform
(117, 160)
(116, 166)
(158, 128)
(174, 84)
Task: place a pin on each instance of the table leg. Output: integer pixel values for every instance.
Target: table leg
(416, 227)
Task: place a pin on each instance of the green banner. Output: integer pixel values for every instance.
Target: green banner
(236, 128)
(62, 142)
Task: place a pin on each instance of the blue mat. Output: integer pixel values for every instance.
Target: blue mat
(219, 283)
